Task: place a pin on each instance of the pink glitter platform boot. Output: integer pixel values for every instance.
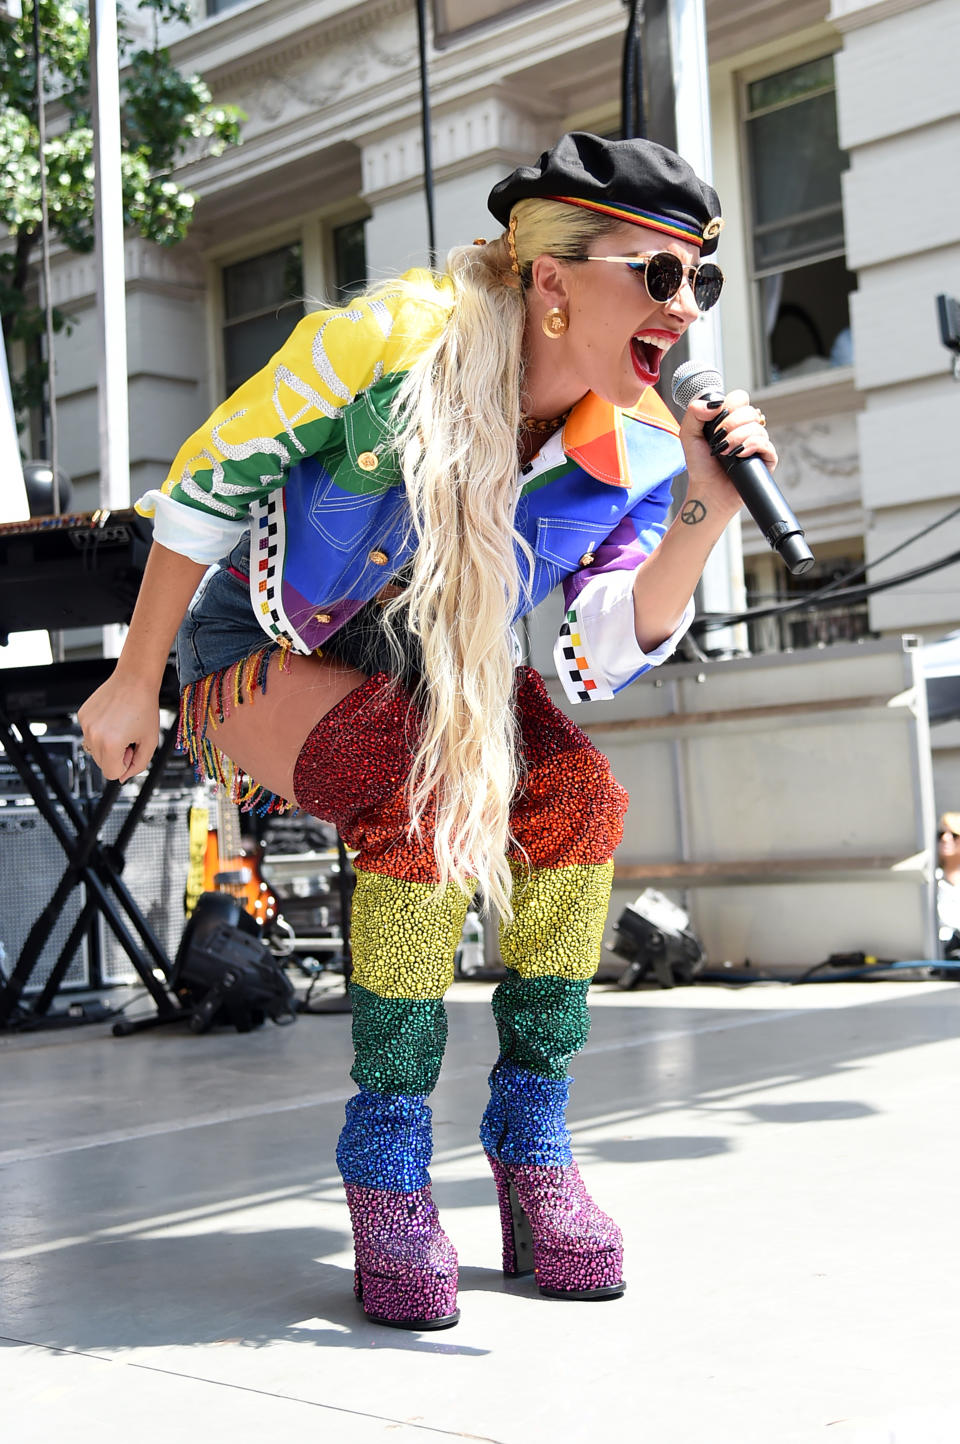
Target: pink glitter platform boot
(550, 1223)
(406, 1267)
(552, 1226)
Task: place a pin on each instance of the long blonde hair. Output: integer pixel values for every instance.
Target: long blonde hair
(458, 413)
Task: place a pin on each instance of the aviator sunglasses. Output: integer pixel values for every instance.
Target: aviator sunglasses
(663, 275)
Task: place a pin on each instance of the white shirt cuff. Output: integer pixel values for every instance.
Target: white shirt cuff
(184, 529)
(597, 653)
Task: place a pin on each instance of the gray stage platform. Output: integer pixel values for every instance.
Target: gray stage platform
(175, 1260)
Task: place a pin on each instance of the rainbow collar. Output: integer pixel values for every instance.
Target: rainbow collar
(593, 434)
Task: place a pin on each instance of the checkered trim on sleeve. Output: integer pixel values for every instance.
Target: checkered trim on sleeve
(267, 538)
(582, 680)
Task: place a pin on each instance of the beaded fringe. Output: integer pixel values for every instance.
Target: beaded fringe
(216, 696)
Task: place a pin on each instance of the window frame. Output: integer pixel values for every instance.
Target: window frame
(314, 233)
(760, 70)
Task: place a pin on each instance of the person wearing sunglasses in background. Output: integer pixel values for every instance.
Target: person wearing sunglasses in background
(948, 883)
(408, 476)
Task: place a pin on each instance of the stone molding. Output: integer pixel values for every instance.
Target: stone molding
(808, 451)
(489, 126)
(290, 85)
(849, 15)
(74, 278)
(260, 40)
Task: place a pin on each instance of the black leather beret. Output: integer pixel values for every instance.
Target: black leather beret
(630, 180)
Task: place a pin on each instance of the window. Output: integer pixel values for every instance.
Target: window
(452, 17)
(349, 259)
(799, 264)
(770, 584)
(262, 302)
(217, 7)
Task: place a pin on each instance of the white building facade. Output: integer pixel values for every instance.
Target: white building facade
(836, 143)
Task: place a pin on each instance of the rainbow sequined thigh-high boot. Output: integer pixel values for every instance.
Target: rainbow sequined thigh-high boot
(352, 771)
(567, 820)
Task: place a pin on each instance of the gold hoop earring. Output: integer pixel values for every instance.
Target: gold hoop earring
(555, 323)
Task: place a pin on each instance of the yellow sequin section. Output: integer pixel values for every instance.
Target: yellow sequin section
(402, 941)
(559, 915)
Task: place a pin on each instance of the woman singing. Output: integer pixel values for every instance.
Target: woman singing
(408, 476)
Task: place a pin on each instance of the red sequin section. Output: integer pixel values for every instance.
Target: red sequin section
(354, 766)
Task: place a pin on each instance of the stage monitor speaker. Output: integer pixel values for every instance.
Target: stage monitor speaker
(31, 864)
(155, 871)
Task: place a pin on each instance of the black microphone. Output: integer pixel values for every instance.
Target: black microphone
(692, 381)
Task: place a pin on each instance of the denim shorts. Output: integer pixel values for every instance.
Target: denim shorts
(220, 628)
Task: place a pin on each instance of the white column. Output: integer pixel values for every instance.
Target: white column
(113, 411)
(114, 424)
(24, 649)
(722, 588)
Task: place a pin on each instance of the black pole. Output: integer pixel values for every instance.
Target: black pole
(659, 89)
(631, 81)
(427, 138)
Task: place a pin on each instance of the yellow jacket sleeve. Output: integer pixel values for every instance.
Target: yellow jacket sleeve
(290, 409)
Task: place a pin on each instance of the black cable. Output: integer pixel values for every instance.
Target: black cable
(631, 105)
(815, 601)
(426, 128)
(835, 585)
(877, 561)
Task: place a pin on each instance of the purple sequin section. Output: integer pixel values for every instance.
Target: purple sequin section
(577, 1248)
(406, 1267)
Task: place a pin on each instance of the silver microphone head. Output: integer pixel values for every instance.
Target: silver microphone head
(692, 379)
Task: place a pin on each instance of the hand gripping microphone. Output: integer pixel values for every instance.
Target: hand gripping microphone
(693, 381)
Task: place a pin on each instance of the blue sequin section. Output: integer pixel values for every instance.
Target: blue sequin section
(386, 1141)
(525, 1119)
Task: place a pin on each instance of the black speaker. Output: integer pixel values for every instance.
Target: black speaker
(31, 864)
(155, 871)
(223, 973)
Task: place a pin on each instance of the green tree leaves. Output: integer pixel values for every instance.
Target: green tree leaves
(164, 117)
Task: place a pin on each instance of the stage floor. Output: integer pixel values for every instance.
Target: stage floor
(175, 1260)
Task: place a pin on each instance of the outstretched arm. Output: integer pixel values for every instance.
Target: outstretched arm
(120, 720)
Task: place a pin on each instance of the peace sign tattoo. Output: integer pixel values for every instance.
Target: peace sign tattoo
(693, 511)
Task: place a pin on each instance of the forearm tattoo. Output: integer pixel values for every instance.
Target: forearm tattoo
(692, 512)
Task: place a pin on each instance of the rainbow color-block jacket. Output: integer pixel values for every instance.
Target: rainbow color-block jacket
(302, 456)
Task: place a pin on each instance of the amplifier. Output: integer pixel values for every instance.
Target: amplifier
(68, 763)
(31, 864)
(155, 872)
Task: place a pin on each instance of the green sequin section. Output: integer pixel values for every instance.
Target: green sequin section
(399, 1044)
(559, 916)
(542, 1022)
(403, 941)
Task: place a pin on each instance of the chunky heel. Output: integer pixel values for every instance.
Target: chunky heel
(552, 1225)
(514, 1225)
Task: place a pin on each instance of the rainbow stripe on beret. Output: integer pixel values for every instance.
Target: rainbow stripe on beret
(682, 230)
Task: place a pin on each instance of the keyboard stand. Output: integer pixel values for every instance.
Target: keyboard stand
(90, 862)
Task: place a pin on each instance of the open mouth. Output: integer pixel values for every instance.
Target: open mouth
(647, 350)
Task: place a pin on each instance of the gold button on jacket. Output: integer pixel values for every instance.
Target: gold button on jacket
(587, 558)
(368, 460)
(323, 618)
(379, 558)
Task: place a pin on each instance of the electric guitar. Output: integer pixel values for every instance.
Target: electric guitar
(229, 867)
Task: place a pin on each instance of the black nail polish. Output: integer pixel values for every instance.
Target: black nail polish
(722, 417)
(712, 405)
(737, 449)
(717, 435)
